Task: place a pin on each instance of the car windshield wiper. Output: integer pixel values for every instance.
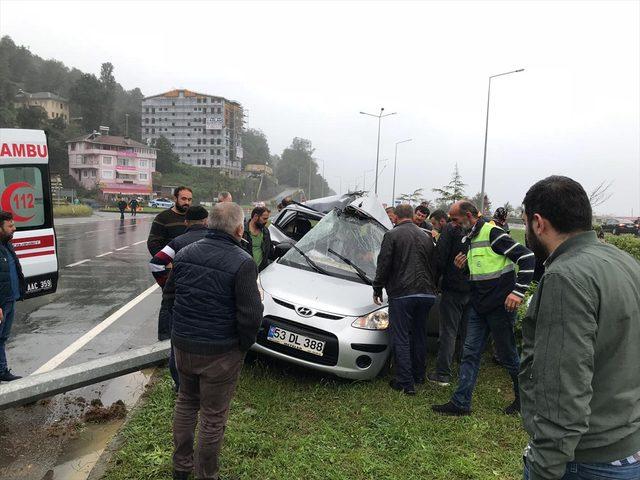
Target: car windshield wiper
(361, 273)
(311, 263)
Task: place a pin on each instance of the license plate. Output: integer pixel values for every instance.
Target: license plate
(295, 340)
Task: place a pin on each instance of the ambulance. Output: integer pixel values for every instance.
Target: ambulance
(25, 191)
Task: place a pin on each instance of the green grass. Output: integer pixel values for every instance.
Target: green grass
(518, 235)
(60, 211)
(289, 423)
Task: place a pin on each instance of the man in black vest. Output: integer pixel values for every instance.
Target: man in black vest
(214, 324)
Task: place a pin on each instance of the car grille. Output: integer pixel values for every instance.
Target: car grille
(328, 316)
(330, 356)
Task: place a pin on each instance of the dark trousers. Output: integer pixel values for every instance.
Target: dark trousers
(453, 309)
(173, 369)
(499, 323)
(8, 312)
(207, 385)
(164, 321)
(121, 214)
(595, 471)
(408, 330)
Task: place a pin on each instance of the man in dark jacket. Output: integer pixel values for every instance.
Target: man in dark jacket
(454, 299)
(404, 270)
(12, 287)
(257, 239)
(580, 373)
(122, 206)
(214, 324)
(165, 227)
(133, 204)
(162, 263)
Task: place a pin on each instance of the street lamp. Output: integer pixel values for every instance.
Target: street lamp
(395, 164)
(380, 116)
(323, 180)
(486, 132)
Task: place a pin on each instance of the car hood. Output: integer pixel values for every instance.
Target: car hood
(317, 291)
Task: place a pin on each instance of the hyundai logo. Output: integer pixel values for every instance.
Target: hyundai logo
(304, 312)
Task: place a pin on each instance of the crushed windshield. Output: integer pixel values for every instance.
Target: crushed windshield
(353, 236)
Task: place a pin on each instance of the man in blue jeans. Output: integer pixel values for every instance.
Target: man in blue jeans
(405, 271)
(496, 293)
(580, 374)
(11, 289)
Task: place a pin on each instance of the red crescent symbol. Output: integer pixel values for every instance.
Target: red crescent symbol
(5, 201)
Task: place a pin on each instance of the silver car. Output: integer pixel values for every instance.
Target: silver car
(318, 302)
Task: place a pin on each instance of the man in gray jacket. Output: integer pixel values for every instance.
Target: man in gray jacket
(580, 368)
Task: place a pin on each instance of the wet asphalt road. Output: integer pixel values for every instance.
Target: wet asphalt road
(103, 264)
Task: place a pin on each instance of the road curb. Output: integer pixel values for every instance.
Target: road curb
(117, 441)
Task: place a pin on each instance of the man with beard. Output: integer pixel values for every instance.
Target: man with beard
(12, 288)
(256, 239)
(496, 293)
(581, 335)
(165, 227)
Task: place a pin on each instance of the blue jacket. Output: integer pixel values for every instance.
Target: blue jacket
(6, 293)
(217, 303)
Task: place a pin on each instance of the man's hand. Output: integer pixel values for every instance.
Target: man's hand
(1, 315)
(512, 302)
(460, 261)
(377, 299)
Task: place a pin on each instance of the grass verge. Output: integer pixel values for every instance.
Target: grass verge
(128, 211)
(289, 423)
(60, 211)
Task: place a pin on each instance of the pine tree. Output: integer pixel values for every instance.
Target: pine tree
(453, 191)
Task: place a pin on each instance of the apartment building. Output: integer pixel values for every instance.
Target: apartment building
(116, 165)
(54, 105)
(204, 130)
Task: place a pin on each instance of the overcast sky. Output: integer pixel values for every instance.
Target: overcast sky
(306, 69)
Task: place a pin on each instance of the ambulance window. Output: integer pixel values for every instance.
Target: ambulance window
(23, 195)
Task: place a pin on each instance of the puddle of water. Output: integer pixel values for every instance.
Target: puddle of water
(81, 453)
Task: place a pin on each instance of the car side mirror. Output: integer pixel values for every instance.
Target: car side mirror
(282, 248)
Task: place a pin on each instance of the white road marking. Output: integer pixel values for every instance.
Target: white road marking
(78, 263)
(122, 248)
(141, 241)
(103, 254)
(94, 332)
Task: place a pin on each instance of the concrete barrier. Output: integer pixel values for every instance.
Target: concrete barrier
(35, 387)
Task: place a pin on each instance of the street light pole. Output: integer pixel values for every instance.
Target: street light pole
(486, 133)
(380, 116)
(395, 164)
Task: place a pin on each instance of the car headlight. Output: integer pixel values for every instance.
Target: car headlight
(378, 320)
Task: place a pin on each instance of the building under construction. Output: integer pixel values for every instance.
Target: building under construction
(204, 130)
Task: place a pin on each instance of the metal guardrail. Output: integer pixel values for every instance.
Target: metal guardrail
(36, 387)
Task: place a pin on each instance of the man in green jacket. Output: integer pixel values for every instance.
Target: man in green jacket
(580, 368)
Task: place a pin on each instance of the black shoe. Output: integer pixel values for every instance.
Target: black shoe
(7, 376)
(406, 390)
(181, 475)
(450, 408)
(439, 380)
(514, 408)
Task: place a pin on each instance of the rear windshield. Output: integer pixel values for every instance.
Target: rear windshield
(23, 194)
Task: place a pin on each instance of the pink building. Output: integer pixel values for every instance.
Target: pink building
(117, 165)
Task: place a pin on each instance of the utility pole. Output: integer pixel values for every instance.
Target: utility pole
(126, 124)
(486, 133)
(395, 164)
(380, 116)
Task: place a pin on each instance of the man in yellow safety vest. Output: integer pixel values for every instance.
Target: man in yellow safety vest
(500, 270)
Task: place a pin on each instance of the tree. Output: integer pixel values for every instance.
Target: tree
(108, 84)
(87, 94)
(600, 193)
(452, 192)
(31, 117)
(255, 148)
(412, 198)
(166, 160)
(477, 201)
(296, 166)
(508, 207)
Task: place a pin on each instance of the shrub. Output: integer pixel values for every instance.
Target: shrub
(628, 243)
